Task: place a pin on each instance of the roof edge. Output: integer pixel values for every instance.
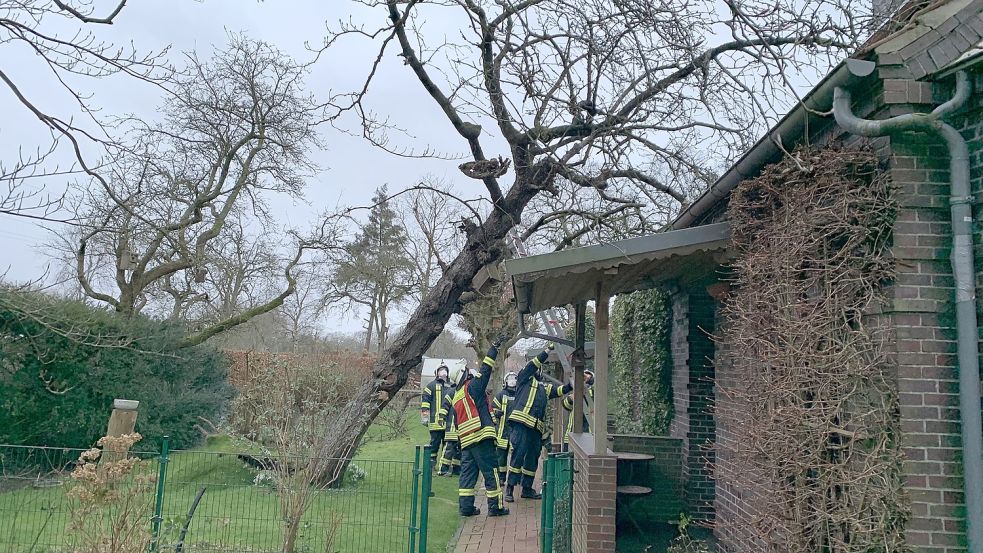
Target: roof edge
(847, 73)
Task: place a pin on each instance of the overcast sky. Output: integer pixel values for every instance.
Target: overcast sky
(350, 168)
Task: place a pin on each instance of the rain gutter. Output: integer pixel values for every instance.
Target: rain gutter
(788, 131)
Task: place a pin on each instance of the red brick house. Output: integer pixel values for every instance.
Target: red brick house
(935, 60)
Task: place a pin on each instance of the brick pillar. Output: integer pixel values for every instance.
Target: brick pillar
(693, 391)
(595, 484)
(921, 309)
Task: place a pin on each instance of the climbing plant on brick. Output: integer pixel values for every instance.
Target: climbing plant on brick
(821, 413)
(641, 363)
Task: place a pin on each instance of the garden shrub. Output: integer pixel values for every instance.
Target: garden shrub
(641, 362)
(62, 363)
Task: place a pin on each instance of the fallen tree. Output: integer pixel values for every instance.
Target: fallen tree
(618, 110)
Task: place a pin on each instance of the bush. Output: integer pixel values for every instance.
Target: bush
(62, 363)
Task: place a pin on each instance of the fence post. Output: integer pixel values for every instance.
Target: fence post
(416, 486)
(425, 499)
(549, 499)
(568, 470)
(165, 451)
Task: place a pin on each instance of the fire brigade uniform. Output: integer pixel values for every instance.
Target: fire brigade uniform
(432, 412)
(502, 405)
(528, 422)
(450, 459)
(568, 406)
(476, 431)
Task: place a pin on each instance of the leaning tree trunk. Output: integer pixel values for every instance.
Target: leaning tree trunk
(484, 245)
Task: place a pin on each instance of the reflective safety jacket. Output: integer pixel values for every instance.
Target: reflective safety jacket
(447, 413)
(502, 406)
(568, 405)
(531, 395)
(431, 405)
(472, 413)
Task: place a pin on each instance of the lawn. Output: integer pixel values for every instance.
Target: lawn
(236, 514)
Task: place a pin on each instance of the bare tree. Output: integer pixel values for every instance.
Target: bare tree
(33, 32)
(431, 217)
(301, 313)
(169, 206)
(603, 96)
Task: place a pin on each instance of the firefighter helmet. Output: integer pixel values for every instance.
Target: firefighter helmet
(456, 375)
(510, 380)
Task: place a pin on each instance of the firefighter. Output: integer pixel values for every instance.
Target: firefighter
(476, 431)
(431, 410)
(568, 406)
(528, 422)
(450, 458)
(502, 407)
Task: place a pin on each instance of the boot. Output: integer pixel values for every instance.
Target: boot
(530, 493)
(498, 512)
(508, 493)
(473, 512)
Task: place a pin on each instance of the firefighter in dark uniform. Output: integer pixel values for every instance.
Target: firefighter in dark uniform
(431, 412)
(528, 422)
(450, 458)
(502, 406)
(476, 431)
(568, 406)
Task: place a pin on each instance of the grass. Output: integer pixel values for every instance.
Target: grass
(236, 514)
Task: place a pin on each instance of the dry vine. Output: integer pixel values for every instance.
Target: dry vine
(822, 423)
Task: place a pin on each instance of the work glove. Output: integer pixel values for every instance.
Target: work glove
(550, 346)
(501, 339)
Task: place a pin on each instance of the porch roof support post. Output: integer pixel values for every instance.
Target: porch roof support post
(580, 338)
(600, 424)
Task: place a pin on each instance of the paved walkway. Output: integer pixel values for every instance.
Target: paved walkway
(516, 533)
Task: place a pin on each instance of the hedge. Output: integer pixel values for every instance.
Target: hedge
(62, 363)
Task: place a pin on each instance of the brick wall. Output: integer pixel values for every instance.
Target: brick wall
(693, 395)
(664, 475)
(740, 491)
(922, 311)
(594, 501)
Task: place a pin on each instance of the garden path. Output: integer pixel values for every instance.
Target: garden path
(516, 533)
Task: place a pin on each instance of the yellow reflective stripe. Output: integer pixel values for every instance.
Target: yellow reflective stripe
(424, 405)
(514, 470)
(524, 418)
(528, 472)
(537, 362)
(465, 493)
(489, 361)
(485, 433)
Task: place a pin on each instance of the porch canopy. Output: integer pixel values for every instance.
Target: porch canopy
(579, 275)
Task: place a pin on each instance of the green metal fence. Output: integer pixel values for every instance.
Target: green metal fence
(556, 522)
(211, 502)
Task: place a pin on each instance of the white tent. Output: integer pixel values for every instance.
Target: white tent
(428, 369)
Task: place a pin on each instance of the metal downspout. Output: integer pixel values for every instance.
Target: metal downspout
(962, 269)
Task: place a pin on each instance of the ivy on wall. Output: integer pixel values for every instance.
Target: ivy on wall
(641, 362)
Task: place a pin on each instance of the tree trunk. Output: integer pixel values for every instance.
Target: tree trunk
(484, 245)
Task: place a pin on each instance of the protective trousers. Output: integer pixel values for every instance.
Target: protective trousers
(436, 439)
(526, 445)
(479, 457)
(451, 460)
(503, 461)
